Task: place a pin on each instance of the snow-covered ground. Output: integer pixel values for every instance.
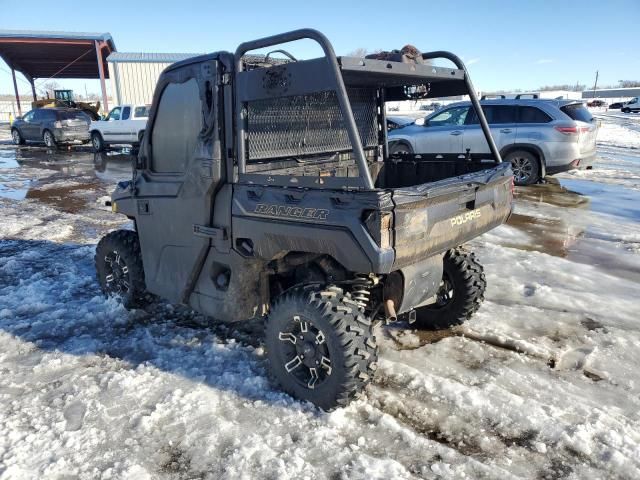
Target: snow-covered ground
(542, 383)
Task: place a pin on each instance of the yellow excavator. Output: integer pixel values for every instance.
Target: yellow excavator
(64, 98)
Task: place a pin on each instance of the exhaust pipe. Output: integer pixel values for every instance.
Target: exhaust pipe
(390, 310)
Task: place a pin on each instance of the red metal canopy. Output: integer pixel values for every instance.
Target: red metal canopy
(38, 54)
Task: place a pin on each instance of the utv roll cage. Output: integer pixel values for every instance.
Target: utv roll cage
(322, 82)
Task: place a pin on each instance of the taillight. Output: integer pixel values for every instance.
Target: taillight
(379, 225)
(567, 130)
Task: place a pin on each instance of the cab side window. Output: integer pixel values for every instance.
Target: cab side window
(176, 127)
(495, 115)
(533, 115)
(114, 114)
(126, 113)
(450, 117)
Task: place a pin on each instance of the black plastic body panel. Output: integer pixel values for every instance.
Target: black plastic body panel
(280, 220)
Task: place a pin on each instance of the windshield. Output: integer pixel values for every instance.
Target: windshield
(577, 111)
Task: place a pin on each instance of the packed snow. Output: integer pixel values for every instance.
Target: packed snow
(542, 383)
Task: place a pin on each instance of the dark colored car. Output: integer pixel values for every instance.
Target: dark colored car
(597, 103)
(52, 126)
(616, 106)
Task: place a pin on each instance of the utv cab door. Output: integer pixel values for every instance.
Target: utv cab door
(181, 171)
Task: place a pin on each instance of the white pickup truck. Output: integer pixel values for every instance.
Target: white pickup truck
(125, 124)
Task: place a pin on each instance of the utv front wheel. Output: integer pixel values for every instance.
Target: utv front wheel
(119, 267)
(320, 346)
(460, 295)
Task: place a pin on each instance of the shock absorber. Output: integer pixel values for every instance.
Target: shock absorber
(360, 291)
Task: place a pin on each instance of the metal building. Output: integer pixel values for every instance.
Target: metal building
(134, 75)
(615, 93)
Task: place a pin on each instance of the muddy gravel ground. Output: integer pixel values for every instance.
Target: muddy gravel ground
(542, 383)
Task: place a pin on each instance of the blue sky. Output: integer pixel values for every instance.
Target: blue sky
(507, 44)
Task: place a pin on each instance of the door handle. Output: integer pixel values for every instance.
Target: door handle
(456, 132)
(506, 130)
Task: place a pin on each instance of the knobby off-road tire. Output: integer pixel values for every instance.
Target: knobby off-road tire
(460, 295)
(119, 267)
(320, 346)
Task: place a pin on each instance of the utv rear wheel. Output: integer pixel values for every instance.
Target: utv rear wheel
(320, 346)
(460, 295)
(119, 267)
(525, 166)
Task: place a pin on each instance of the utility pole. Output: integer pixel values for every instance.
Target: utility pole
(595, 85)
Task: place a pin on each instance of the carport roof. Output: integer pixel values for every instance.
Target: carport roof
(46, 54)
(139, 57)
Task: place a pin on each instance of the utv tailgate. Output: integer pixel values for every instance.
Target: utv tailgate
(434, 217)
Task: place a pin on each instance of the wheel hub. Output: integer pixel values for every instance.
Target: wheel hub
(117, 273)
(522, 168)
(445, 292)
(305, 352)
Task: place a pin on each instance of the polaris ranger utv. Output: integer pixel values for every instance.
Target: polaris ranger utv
(264, 187)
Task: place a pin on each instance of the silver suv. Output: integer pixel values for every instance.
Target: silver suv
(538, 137)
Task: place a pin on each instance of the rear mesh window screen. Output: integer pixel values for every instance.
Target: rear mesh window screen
(308, 124)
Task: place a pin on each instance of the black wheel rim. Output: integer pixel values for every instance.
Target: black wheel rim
(116, 274)
(445, 293)
(305, 352)
(522, 168)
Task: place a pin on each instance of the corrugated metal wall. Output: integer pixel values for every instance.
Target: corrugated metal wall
(133, 82)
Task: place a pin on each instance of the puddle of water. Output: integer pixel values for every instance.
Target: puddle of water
(87, 170)
(553, 193)
(608, 198)
(579, 241)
